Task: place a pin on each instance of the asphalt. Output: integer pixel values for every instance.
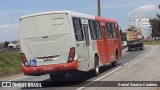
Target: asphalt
(136, 65)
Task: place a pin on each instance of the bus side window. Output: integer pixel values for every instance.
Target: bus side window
(116, 30)
(92, 29)
(78, 29)
(113, 30)
(109, 30)
(98, 30)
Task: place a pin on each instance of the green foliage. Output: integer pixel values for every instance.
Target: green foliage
(155, 26)
(6, 44)
(153, 42)
(10, 63)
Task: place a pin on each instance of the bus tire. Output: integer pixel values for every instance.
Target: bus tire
(57, 76)
(96, 66)
(114, 63)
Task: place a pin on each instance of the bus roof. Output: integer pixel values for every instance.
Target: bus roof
(106, 19)
(74, 14)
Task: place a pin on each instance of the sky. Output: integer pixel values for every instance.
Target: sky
(124, 11)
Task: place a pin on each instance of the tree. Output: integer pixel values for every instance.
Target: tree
(14, 42)
(6, 44)
(155, 26)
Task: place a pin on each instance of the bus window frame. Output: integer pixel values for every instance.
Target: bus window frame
(92, 31)
(109, 30)
(75, 30)
(98, 31)
(113, 30)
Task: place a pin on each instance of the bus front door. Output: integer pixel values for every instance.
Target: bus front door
(83, 48)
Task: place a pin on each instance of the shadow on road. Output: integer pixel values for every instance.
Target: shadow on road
(81, 78)
(75, 79)
(134, 50)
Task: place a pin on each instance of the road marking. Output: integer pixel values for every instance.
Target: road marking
(99, 78)
(126, 64)
(111, 71)
(142, 53)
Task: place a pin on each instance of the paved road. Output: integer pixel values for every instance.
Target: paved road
(134, 66)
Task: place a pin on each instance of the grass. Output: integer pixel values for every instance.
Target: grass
(10, 63)
(152, 42)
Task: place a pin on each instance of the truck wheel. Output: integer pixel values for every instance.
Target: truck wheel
(57, 76)
(96, 66)
(129, 49)
(142, 48)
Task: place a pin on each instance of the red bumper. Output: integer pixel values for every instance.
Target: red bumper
(50, 68)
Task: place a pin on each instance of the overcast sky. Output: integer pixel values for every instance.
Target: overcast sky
(121, 10)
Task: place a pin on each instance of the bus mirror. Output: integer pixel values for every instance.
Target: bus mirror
(121, 32)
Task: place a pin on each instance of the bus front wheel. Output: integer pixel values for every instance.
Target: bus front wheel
(114, 63)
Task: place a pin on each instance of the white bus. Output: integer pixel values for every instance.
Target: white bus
(57, 42)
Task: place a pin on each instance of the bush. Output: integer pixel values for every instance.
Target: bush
(10, 63)
(153, 42)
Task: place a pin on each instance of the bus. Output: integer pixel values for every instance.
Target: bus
(58, 42)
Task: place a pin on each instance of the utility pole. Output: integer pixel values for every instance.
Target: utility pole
(99, 8)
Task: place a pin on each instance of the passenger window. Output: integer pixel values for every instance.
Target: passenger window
(116, 29)
(113, 30)
(109, 30)
(98, 30)
(92, 30)
(78, 29)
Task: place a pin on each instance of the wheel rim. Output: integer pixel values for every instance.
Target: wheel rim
(96, 66)
(97, 69)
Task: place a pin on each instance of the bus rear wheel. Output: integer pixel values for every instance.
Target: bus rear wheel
(57, 76)
(96, 66)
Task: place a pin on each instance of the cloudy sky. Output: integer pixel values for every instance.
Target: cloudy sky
(121, 10)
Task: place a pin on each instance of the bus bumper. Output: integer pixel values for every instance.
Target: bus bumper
(40, 70)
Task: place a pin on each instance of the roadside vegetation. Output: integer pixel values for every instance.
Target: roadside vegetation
(155, 31)
(152, 42)
(155, 26)
(10, 63)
